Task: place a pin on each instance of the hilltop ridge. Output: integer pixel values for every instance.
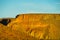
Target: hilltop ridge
(33, 26)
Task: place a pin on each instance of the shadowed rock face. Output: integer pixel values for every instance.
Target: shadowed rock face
(17, 16)
(5, 21)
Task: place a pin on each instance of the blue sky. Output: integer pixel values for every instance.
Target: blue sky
(10, 8)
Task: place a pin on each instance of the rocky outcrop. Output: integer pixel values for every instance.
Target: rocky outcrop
(35, 26)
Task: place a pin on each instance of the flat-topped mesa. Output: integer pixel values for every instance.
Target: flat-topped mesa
(41, 26)
(32, 21)
(37, 17)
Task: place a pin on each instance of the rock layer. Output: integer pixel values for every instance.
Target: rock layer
(34, 27)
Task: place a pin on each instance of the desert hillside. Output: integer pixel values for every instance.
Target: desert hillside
(30, 27)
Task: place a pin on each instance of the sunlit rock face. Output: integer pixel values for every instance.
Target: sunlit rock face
(41, 26)
(36, 26)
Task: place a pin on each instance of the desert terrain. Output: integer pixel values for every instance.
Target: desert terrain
(30, 27)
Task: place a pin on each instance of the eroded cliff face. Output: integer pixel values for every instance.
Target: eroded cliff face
(32, 27)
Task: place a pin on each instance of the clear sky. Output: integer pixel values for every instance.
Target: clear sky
(10, 8)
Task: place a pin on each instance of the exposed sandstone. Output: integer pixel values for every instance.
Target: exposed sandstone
(38, 26)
